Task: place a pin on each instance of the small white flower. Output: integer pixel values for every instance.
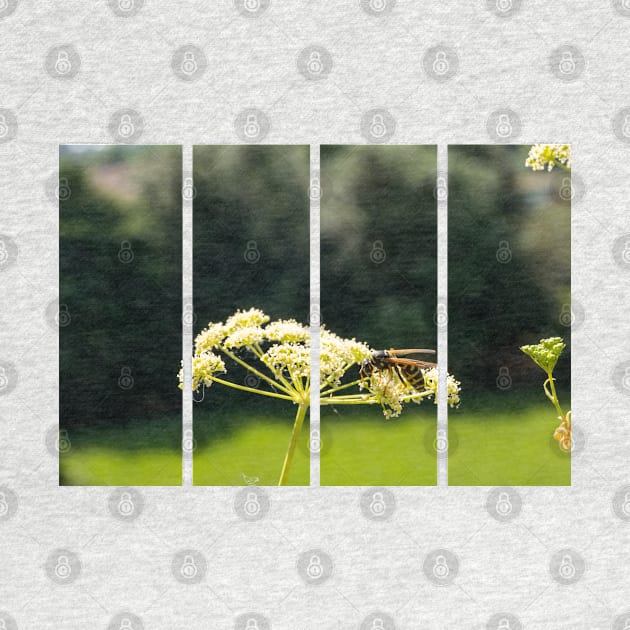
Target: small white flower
(287, 330)
(243, 337)
(288, 358)
(244, 319)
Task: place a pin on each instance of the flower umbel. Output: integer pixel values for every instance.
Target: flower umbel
(278, 353)
(546, 156)
(546, 353)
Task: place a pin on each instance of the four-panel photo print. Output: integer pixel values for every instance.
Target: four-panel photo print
(323, 280)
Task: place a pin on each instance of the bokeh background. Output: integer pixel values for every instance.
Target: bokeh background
(509, 284)
(379, 285)
(250, 249)
(119, 314)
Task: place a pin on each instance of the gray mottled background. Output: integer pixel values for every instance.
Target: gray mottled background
(190, 557)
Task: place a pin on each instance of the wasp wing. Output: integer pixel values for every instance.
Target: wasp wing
(403, 352)
(409, 363)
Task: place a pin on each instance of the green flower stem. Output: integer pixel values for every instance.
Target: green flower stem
(216, 379)
(553, 396)
(257, 350)
(564, 167)
(247, 366)
(359, 399)
(336, 389)
(297, 427)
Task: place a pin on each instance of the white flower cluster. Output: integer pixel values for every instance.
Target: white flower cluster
(546, 156)
(391, 391)
(288, 354)
(283, 350)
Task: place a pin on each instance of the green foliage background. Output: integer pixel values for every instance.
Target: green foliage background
(121, 315)
(494, 308)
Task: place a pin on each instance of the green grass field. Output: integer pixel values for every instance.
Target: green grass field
(497, 448)
(506, 448)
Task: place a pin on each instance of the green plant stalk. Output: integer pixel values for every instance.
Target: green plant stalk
(297, 427)
(553, 396)
(256, 372)
(250, 389)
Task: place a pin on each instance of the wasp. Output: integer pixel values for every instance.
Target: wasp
(395, 362)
